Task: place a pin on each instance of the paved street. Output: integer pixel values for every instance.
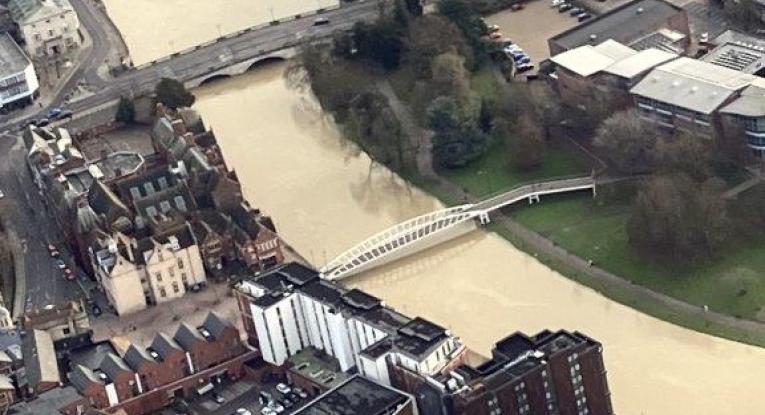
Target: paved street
(196, 62)
(25, 216)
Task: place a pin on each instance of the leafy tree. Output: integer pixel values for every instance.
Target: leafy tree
(457, 148)
(627, 141)
(125, 110)
(380, 42)
(679, 218)
(525, 148)
(414, 7)
(172, 94)
(463, 14)
(450, 78)
(373, 125)
(425, 41)
(444, 114)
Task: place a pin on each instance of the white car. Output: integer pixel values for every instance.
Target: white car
(267, 411)
(242, 411)
(281, 387)
(277, 407)
(556, 3)
(2, 195)
(493, 28)
(512, 49)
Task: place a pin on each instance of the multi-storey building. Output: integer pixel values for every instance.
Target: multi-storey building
(290, 308)
(747, 114)
(557, 373)
(18, 79)
(49, 27)
(358, 395)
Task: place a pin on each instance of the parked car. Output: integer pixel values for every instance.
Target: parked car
(2, 195)
(266, 411)
(496, 35)
(320, 21)
(512, 49)
(53, 251)
(564, 7)
(293, 396)
(286, 403)
(523, 61)
(704, 38)
(69, 275)
(42, 122)
(96, 310)
(276, 406)
(242, 411)
(60, 264)
(574, 11)
(217, 398)
(300, 392)
(283, 388)
(54, 113)
(583, 16)
(517, 6)
(525, 67)
(264, 397)
(65, 114)
(493, 28)
(556, 3)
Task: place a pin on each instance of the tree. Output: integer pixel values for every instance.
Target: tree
(486, 115)
(372, 124)
(679, 218)
(683, 153)
(525, 148)
(125, 110)
(450, 78)
(744, 13)
(468, 20)
(172, 94)
(444, 115)
(627, 141)
(425, 41)
(380, 42)
(414, 7)
(457, 148)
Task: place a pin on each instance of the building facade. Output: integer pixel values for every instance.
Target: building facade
(18, 80)
(50, 28)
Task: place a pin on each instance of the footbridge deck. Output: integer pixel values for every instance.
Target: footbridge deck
(426, 231)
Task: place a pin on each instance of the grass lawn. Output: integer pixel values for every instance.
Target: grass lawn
(491, 173)
(732, 284)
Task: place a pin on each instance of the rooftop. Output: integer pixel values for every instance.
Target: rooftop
(692, 84)
(29, 11)
(625, 23)
(738, 51)
(317, 366)
(640, 62)
(12, 59)
(751, 103)
(47, 403)
(357, 396)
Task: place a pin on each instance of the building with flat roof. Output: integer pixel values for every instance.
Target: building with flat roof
(291, 308)
(359, 395)
(18, 79)
(632, 22)
(588, 77)
(747, 113)
(686, 94)
(738, 51)
(548, 373)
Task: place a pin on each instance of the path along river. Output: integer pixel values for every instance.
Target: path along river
(325, 196)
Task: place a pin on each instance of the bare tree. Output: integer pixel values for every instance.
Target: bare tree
(627, 141)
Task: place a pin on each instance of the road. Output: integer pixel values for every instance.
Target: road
(25, 215)
(23, 208)
(198, 61)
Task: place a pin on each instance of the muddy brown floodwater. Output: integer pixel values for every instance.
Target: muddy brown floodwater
(326, 196)
(156, 28)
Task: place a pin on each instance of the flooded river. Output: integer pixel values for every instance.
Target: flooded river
(156, 28)
(325, 197)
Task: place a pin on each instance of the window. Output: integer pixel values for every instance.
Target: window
(162, 292)
(171, 272)
(176, 289)
(66, 330)
(180, 263)
(158, 276)
(184, 277)
(50, 33)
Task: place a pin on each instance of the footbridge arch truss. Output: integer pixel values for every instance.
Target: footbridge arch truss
(395, 242)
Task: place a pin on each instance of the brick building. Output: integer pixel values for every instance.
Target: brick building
(550, 373)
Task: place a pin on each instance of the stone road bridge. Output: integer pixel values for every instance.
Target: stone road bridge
(426, 231)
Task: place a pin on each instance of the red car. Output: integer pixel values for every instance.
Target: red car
(68, 274)
(53, 251)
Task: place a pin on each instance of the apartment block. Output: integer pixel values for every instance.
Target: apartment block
(18, 79)
(50, 28)
(291, 309)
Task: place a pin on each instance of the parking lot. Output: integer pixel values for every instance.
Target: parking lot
(243, 394)
(531, 27)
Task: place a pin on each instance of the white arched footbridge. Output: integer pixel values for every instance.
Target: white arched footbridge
(426, 231)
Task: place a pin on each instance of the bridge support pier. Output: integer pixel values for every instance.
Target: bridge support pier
(533, 199)
(484, 218)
